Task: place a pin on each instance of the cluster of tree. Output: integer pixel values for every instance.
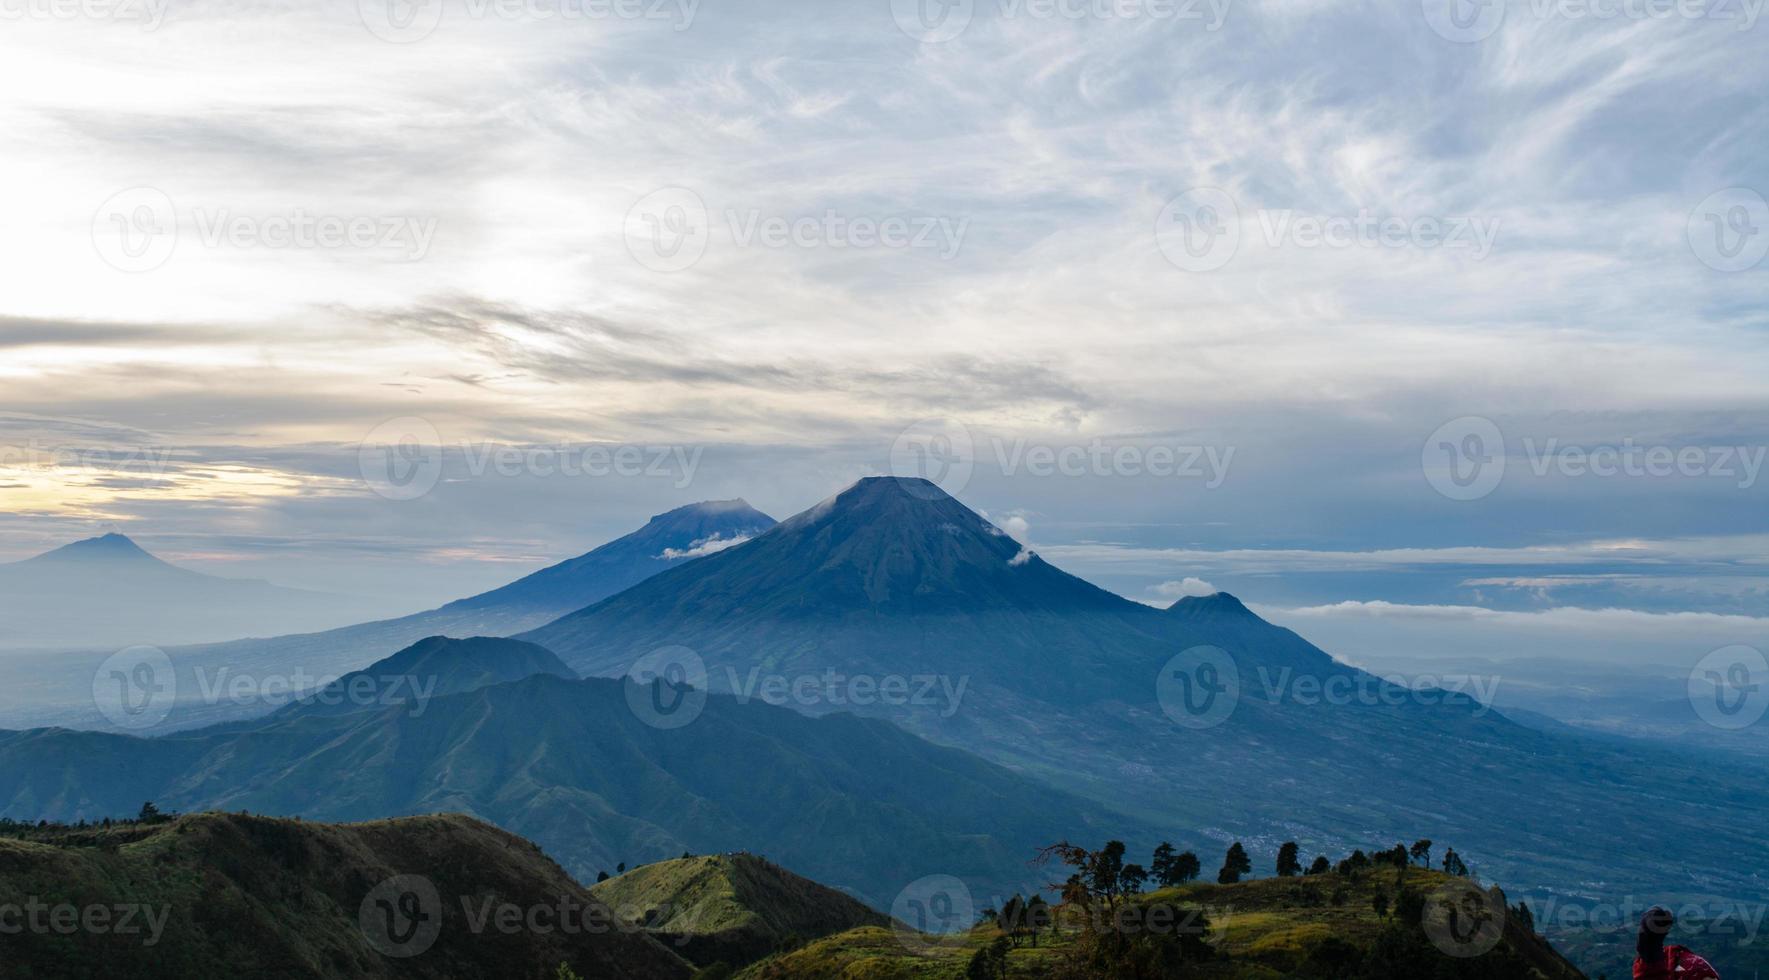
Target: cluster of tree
(619, 869)
(1121, 939)
(1021, 919)
(147, 816)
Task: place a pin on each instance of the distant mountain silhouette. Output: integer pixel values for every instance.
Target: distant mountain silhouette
(1063, 680)
(60, 690)
(109, 592)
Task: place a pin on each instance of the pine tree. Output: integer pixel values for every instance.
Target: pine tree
(1234, 865)
(1289, 865)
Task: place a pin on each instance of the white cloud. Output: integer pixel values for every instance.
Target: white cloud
(705, 546)
(1188, 586)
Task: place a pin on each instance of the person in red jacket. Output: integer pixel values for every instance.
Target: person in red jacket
(1657, 961)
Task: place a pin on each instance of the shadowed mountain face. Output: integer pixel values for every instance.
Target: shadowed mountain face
(1126, 703)
(109, 592)
(576, 767)
(58, 690)
(223, 895)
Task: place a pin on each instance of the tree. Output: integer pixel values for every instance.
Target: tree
(1422, 852)
(1289, 865)
(620, 868)
(990, 962)
(1380, 903)
(1012, 919)
(1133, 877)
(1320, 866)
(1037, 917)
(601, 876)
(1161, 865)
(150, 813)
(1186, 868)
(1234, 865)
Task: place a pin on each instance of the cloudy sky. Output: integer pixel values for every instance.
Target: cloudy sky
(1399, 319)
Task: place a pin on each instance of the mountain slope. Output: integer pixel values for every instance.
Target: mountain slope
(730, 908)
(854, 802)
(221, 895)
(1100, 696)
(58, 690)
(109, 592)
(1323, 926)
(432, 668)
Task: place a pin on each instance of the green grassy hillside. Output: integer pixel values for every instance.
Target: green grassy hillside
(218, 895)
(1325, 926)
(731, 908)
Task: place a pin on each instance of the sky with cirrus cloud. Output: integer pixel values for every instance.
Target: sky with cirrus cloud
(763, 239)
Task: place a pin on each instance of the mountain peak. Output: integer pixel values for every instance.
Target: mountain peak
(106, 547)
(1216, 605)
